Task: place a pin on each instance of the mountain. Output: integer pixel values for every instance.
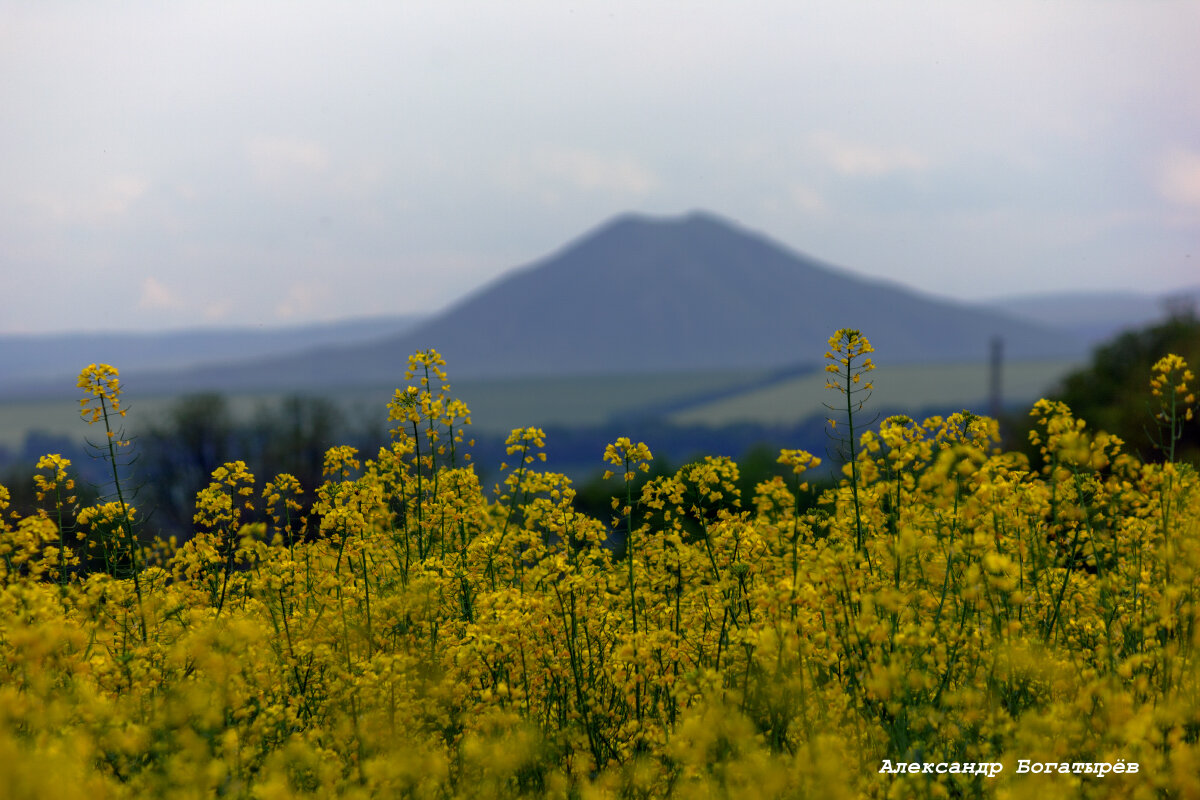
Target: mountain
(697, 292)
(643, 294)
(29, 361)
(1096, 317)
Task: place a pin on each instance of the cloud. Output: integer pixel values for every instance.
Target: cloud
(302, 301)
(120, 193)
(218, 310)
(1179, 177)
(279, 163)
(101, 204)
(549, 169)
(156, 296)
(866, 160)
(807, 200)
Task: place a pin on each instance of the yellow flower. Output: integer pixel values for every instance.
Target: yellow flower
(102, 386)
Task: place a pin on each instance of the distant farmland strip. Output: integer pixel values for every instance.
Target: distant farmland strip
(750, 383)
(497, 405)
(501, 405)
(911, 387)
(713, 398)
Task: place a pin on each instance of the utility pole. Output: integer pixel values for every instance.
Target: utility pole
(995, 401)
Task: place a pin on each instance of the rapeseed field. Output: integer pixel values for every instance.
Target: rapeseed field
(950, 621)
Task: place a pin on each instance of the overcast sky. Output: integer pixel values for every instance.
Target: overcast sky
(185, 163)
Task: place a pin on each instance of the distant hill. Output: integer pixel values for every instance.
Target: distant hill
(644, 294)
(30, 361)
(1095, 317)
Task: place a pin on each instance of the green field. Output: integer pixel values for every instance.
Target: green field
(902, 388)
(60, 417)
(498, 406)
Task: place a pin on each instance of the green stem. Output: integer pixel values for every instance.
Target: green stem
(126, 522)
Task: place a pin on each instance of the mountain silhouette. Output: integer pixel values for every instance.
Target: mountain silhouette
(644, 294)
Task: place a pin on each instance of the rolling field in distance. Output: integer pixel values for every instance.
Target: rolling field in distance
(497, 406)
(60, 416)
(711, 398)
(909, 387)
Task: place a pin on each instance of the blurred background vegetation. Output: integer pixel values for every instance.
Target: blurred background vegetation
(1111, 392)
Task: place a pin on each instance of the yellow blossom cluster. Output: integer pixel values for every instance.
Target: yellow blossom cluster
(848, 358)
(101, 387)
(423, 638)
(1170, 385)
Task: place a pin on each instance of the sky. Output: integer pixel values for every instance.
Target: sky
(184, 164)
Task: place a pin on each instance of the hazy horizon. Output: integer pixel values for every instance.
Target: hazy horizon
(199, 165)
(1040, 299)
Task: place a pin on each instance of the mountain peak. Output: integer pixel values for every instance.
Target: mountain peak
(688, 223)
(696, 291)
(645, 239)
(682, 293)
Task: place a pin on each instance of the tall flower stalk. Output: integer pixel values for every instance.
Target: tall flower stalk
(101, 385)
(849, 362)
(630, 458)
